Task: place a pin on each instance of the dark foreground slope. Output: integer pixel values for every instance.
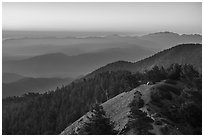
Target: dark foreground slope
(166, 104)
(181, 54)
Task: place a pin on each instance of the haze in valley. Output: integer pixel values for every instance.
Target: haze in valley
(65, 41)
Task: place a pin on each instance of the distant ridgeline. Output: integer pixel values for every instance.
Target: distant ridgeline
(53, 111)
(181, 54)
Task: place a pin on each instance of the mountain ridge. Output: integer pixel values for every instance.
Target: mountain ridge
(27, 84)
(60, 64)
(178, 54)
(11, 77)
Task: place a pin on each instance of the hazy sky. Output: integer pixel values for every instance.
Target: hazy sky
(128, 17)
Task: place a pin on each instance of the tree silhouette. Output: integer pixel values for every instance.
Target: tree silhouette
(98, 123)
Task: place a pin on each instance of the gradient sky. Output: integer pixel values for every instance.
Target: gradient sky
(127, 17)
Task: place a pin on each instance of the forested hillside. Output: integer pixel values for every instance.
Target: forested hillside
(52, 112)
(170, 107)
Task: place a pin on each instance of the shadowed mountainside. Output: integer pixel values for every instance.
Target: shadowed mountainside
(181, 54)
(39, 85)
(59, 64)
(11, 77)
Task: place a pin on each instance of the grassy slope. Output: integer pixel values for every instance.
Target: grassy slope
(117, 109)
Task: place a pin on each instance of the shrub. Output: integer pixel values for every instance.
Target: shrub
(138, 120)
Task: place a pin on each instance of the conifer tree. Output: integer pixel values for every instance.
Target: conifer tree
(98, 123)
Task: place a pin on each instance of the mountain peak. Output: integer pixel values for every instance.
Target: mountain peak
(162, 33)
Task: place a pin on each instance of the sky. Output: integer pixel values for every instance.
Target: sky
(122, 17)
